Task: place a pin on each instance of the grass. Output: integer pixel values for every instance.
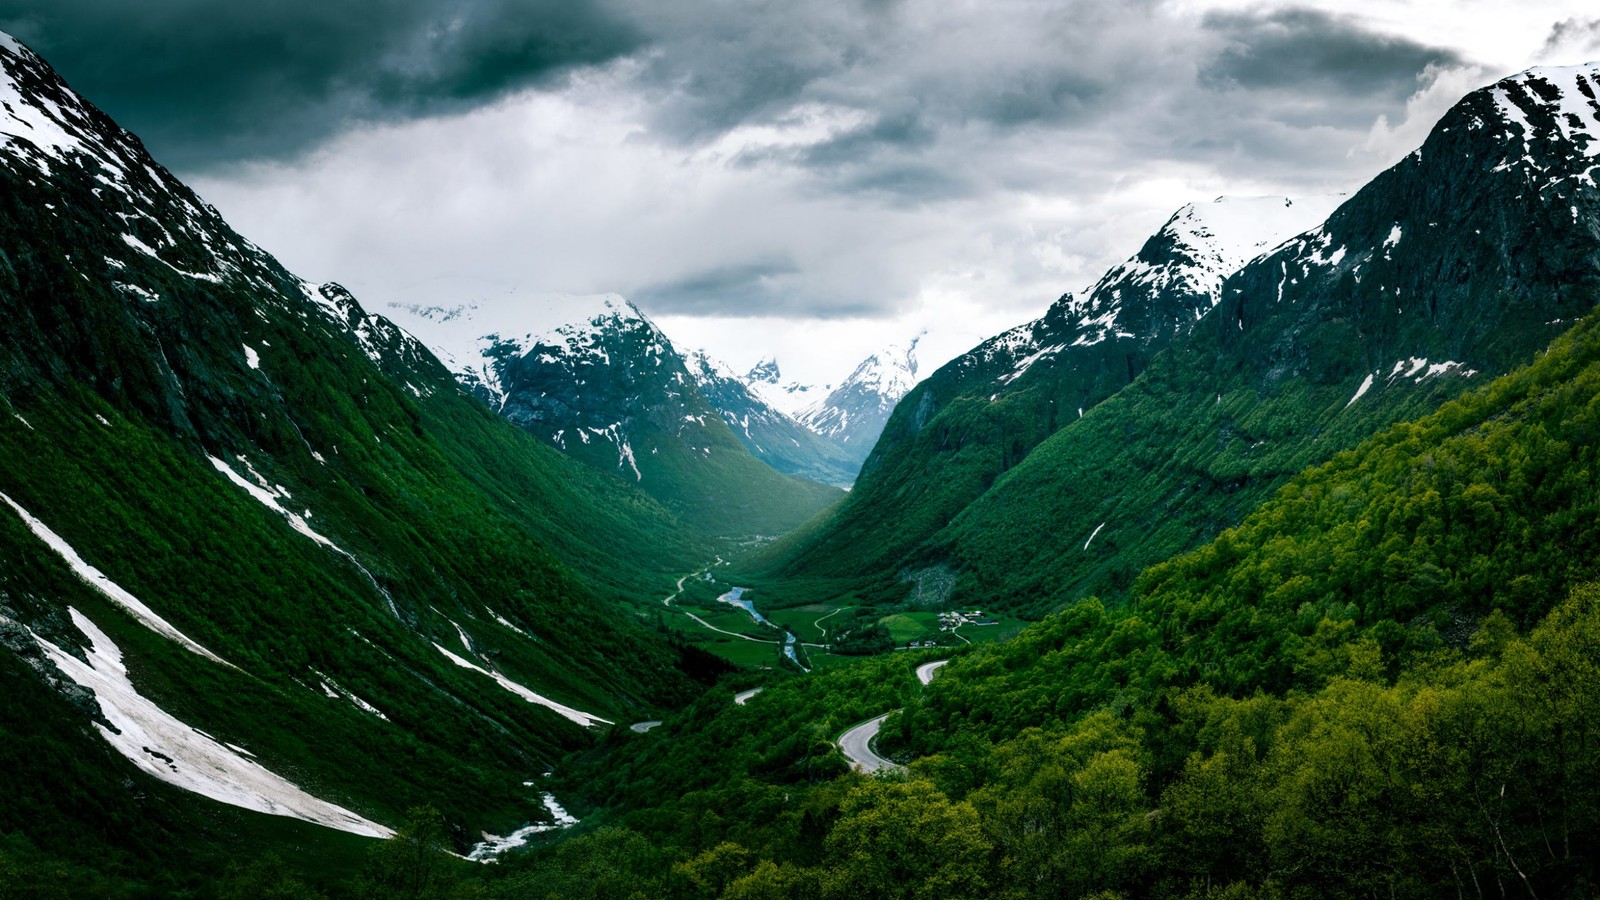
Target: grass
(912, 626)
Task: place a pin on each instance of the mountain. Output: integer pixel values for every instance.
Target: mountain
(606, 387)
(854, 413)
(262, 562)
(1383, 681)
(981, 413)
(771, 436)
(1457, 264)
(791, 398)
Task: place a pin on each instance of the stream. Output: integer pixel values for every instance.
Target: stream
(735, 597)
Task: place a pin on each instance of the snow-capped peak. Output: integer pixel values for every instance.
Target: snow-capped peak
(703, 366)
(792, 398)
(856, 411)
(1203, 243)
(765, 371)
(890, 372)
(471, 337)
(1549, 108)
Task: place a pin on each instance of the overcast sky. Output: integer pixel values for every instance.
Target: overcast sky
(808, 180)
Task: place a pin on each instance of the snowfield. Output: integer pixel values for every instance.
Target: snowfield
(162, 745)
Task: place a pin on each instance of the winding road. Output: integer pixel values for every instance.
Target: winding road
(856, 743)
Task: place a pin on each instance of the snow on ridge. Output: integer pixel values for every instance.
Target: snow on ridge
(587, 720)
(1210, 241)
(112, 591)
(1575, 110)
(878, 382)
(463, 335)
(165, 747)
(54, 124)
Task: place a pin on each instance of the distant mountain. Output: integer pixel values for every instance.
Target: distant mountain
(853, 414)
(254, 539)
(981, 413)
(772, 436)
(789, 397)
(608, 388)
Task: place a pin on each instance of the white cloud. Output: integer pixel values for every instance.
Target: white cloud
(809, 183)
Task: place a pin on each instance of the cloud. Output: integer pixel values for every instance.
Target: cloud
(911, 163)
(1573, 37)
(1299, 49)
(725, 288)
(206, 83)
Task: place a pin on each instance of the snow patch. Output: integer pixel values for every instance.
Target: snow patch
(165, 747)
(112, 591)
(251, 357)
(493, 845)
(1365, 386)
(587, 720)
(334, 691)
(1092, 534)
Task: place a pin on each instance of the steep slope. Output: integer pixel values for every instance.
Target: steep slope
(1382, 681)
(771, 436)
(608, 388)
(981, 413)
(1456, 264)
(854, 413)
(239, 506)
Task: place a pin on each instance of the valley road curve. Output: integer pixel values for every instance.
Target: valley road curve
(856, 743)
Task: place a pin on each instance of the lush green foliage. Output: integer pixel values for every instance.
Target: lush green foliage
(1363, 689)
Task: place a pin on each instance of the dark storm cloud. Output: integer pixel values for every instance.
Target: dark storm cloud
(205, 82)
(1300, 49)
(767, 287)
(1573, 36)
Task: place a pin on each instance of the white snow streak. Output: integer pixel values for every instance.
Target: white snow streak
(269, 498)
(1365, 385)
(113, 592)
(587, 720)
(188, 759)
(1092, 534)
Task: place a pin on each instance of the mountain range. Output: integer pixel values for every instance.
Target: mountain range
(1302, 497)
(606, 375)
(272, 535)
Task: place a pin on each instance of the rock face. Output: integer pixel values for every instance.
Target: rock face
(1458, 263)
(608, 388)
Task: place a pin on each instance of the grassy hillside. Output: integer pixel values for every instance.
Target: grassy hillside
(301, 490)
(1382, 682)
